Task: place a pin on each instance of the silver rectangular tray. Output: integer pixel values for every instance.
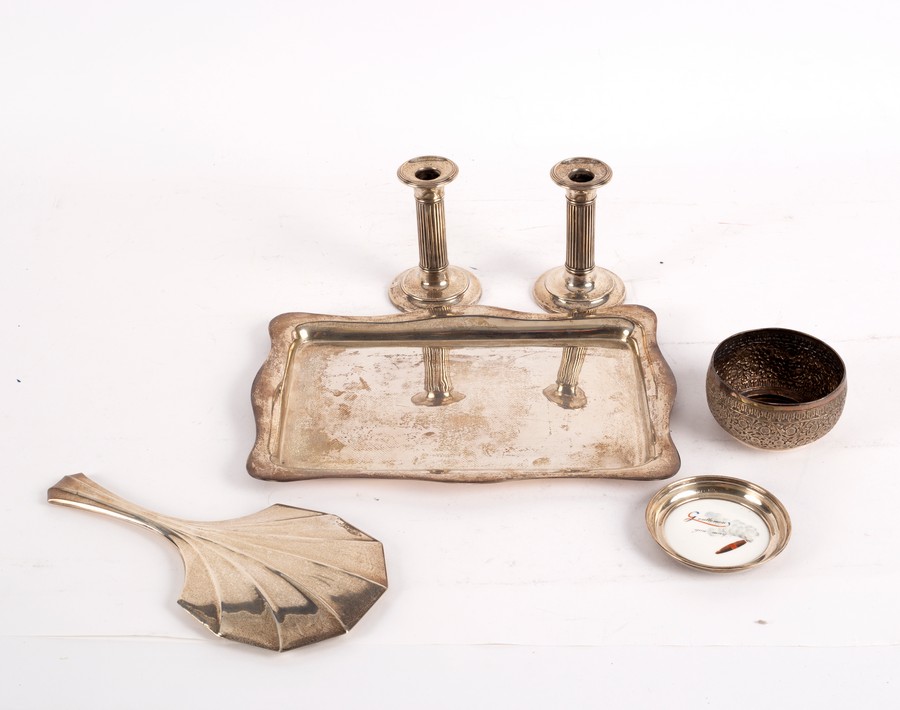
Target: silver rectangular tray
(480, 394)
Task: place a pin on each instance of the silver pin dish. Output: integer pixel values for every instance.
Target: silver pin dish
(718, 524)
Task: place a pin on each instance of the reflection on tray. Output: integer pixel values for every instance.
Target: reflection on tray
(438, 383)
(565, 391)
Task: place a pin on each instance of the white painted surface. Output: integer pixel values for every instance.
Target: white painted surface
(173, 175)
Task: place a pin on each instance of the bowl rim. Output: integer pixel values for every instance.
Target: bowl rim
(776, 406)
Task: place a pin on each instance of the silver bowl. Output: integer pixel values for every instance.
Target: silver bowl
(775, 388)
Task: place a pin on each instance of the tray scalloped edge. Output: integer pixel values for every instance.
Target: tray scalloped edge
(267, 385)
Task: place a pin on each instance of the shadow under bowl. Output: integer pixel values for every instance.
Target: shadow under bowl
(776, 388)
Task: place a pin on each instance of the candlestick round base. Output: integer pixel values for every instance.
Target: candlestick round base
(408, 293)
(560, 291)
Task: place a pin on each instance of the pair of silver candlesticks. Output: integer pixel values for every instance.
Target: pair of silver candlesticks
(578, 287)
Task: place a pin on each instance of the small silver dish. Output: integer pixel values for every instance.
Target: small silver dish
(718, 524)
(776, 388)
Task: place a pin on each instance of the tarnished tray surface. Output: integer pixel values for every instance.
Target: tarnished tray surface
(461, 397)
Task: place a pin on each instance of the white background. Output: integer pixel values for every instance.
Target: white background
(175, 174)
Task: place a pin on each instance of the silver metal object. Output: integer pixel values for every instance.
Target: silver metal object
(718, 524)
(280, 578)
(580, 286)
(434, 283)
(342, 396)
(776, 388)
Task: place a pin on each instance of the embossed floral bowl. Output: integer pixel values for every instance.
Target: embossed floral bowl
(775, 388)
